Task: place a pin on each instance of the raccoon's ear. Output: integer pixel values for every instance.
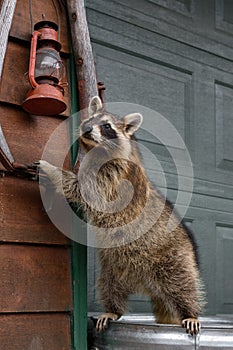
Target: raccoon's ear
(95, 105)
(132, 122)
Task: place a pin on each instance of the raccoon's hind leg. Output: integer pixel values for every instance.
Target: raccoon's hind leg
(165, 316)
(114, 298)
(179, 299)
(178, 310)
(162, 314)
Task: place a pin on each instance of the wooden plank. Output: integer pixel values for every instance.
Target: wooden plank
(6, 15)
(22, 216)
(34, 279)
(27, 135)
(35, 332)
(15, 84)
(22, 28)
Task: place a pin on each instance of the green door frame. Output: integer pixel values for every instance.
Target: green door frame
(79, 252)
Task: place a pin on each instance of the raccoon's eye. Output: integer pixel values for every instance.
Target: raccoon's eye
(107, 126)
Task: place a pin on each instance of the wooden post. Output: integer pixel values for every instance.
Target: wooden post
(6, 16)
(87, 88)
(84, 60)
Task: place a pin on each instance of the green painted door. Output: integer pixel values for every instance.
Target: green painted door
(176, 57)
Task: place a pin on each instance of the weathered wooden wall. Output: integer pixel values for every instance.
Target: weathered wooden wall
(36, 288)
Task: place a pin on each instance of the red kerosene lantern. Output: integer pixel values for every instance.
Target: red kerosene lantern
(45, 72)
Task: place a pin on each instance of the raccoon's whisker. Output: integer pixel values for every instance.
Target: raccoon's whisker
(111, 144)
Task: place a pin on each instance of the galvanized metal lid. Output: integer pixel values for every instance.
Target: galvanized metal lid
(141, 332)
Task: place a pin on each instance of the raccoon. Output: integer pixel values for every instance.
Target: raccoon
(129, 216)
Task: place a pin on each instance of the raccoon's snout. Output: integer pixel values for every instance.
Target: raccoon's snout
(87, 129)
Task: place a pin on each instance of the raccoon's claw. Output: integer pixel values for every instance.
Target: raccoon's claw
(192, 325)
(103, 320)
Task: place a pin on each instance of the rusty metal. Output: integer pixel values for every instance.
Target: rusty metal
(46, 96)
(32, 62)
(101, 89)
(74, 16)
(30, 172)
(48, 32)
(24, 171)
(45, 99)
(12, 167)
(80, 61)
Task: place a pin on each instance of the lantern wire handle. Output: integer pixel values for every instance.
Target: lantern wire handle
(33, 59)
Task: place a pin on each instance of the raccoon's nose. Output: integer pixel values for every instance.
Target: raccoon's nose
(87, 129)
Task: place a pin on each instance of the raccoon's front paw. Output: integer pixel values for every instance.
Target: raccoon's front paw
(192, 325)
(46, 168)
(103, 320)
